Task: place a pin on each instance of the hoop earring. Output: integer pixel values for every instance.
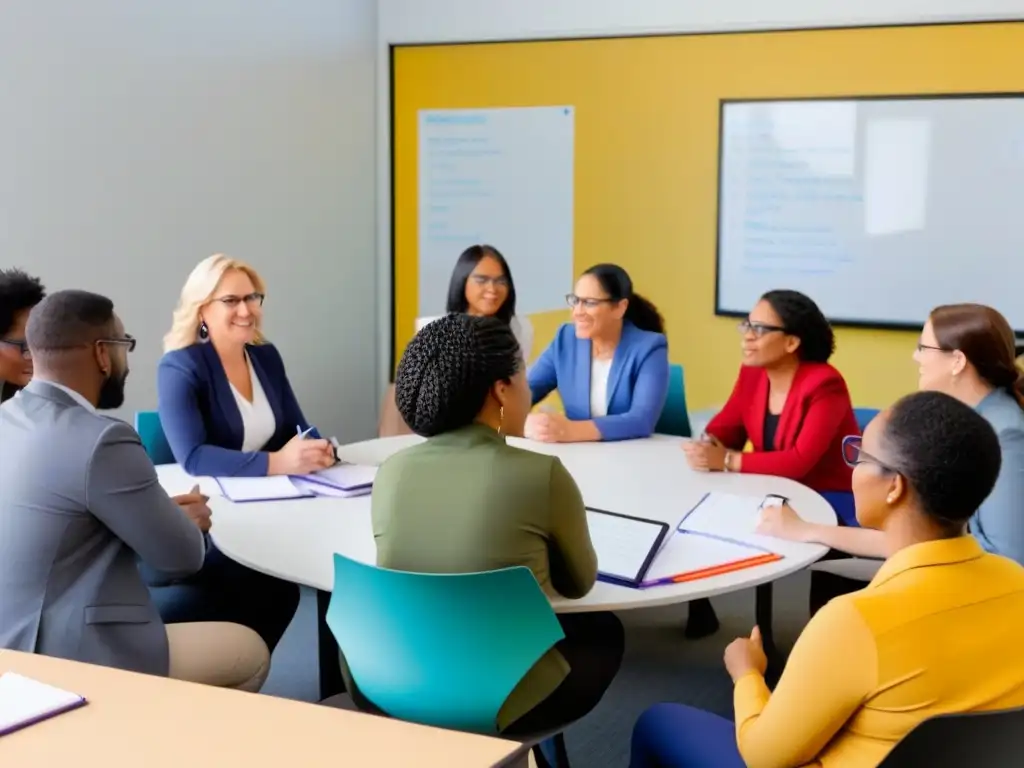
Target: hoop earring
(204, 332)
(501, 417)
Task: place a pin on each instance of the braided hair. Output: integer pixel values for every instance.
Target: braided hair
(449, 367)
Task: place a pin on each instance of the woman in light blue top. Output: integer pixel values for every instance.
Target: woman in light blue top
(610, 365)
(967, 351)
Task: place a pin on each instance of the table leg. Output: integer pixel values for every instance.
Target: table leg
(331, 681)
(763, 616)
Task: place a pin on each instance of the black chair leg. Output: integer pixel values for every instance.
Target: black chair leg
(561, 753)
(763, 611)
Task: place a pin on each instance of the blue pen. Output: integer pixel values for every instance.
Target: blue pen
(302, 435)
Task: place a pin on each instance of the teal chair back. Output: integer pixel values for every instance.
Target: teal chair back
(864, 416)
(147, 424)
(675, 420)
(439, 649)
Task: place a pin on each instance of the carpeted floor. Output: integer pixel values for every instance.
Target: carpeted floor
(660, 665)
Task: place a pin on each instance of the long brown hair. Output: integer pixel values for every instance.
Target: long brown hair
(986, 340)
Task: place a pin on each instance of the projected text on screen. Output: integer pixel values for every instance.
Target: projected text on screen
(879, 209)
(502, 177)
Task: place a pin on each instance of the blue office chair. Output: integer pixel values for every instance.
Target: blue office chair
(147, 424)
(675, 420)
(864, 416)
(977, 739)
(440, 649)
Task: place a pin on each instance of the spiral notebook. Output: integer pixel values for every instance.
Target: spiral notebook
(24, 701)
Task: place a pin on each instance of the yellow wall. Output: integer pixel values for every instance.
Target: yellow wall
(647, 154)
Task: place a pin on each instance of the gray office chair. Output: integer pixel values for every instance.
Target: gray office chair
(973, 740)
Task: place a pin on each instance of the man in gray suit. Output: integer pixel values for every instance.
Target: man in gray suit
(80, 501)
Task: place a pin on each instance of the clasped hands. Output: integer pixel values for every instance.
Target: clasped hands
(547, 427)
(706, 454)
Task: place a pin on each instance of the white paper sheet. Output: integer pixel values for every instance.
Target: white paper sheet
(319, 489)
(728, 515)
(269, 488)
(622, 544)
(24, 701)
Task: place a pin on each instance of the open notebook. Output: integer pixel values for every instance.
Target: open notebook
(339, 481)
(24, 701)
(708, 541)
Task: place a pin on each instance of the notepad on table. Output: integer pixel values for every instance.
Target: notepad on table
(24, 701)
(342, 476)
(330, 492)
(269, 488)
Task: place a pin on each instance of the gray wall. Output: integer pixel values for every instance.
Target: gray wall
(137, 137)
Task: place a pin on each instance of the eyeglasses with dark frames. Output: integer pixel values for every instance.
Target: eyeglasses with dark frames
(20, 344)
(758, 329)
(854, 454)
(252, 300)
(921, 346)
(587, 303)
(497, 282)
(127, 341)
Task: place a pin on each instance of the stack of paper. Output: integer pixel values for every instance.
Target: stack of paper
(344, 477)
(24, 701)
(269, 488)
(339, 481)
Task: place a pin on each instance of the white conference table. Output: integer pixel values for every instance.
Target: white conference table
(296, 539)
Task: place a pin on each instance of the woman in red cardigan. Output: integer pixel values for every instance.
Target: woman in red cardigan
(790, 404)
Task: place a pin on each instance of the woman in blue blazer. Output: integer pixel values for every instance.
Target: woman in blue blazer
(224, 398)
(227, 409)
(610, 365)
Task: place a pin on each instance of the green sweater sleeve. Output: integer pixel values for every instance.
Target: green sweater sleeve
(573, 560)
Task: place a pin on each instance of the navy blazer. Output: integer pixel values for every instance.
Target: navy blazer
(637, 381)
(201, 418)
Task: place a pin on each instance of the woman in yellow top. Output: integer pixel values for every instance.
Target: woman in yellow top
(937, 631)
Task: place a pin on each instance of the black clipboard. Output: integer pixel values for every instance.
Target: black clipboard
(637, 579)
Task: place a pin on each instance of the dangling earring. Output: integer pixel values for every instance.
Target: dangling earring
(501, 417)
(204, 332)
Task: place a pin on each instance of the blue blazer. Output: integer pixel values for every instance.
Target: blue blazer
(200, 416)
(637, 382)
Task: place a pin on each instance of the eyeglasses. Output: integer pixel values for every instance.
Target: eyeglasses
(497, 282)
(572, 300)
(20, 344)
(922, 346)
(127, 340)
(853, 454)
(252, 300)
(758, 329)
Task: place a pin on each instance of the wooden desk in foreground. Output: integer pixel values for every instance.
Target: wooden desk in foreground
(134, 720)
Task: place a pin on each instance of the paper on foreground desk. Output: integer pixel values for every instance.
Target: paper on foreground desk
(140, 720)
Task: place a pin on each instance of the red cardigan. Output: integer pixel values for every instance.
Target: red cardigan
(808, 447)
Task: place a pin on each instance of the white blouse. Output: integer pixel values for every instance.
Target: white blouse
(599, 370)
(258, 424)
(520, 325)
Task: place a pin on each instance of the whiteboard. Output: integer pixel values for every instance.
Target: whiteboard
(878, 209)
(502, 177)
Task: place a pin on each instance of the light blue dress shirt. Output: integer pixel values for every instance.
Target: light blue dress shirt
(999, 523)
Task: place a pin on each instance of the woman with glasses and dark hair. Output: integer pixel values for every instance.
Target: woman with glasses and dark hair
(937, 631)
(18, 294)
(466, 501)
(481, 285)
(610, 365)
(790, 404)
(966, 351)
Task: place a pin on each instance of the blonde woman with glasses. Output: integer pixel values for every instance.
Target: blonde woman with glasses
(224, 398)
(228, 410)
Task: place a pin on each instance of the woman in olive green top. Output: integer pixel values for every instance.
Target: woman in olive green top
(465, 501)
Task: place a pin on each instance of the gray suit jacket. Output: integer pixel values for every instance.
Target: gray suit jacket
(79, 498)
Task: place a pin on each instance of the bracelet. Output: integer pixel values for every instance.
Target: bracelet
(727, 461)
